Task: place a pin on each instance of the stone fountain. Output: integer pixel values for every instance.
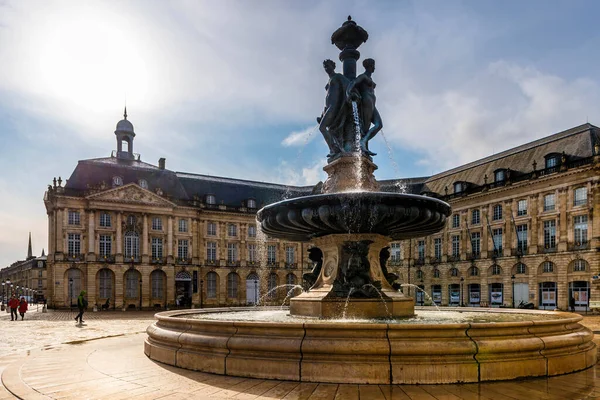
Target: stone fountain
(352, 324)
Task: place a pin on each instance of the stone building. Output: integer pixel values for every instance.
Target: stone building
(134, 235)
(525, 222)
(26, 277)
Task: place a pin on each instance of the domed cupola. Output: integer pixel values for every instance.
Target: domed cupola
(125, 135)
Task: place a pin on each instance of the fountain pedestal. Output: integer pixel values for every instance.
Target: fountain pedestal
(351, 282)
(350, 173)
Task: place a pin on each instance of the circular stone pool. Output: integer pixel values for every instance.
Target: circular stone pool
(470, 345)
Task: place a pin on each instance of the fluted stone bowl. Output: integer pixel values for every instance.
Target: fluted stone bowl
(398, 216)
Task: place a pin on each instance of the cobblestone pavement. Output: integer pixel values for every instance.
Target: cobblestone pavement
(48, 356)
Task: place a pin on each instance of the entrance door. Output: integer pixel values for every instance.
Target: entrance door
(252, 289)
(548, 294)
(436, 294)
(496, 294)
(521, 293)
(420, 296)
(580, 292)
(183, 289)
(474, 295)
(454, 292)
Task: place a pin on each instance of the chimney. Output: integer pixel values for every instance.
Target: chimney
(161, 163)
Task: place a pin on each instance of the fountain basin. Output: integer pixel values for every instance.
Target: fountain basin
(525, 343)
(394, 215)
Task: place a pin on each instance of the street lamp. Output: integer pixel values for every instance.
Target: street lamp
(3, 295)
(462, 303)
(201, 286)
(140, 294)
(512, 279)
(71, 291)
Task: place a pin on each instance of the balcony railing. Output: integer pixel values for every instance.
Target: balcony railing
(158, 260)
(291, 265)
(497, 253)
(107, 258)
(579, 246)
(232, 263)
(549, 249)
(183, 261)
(420, 261)
(210, 262)
(394, 263)
(473, 256)
(453, 258)
(253, 263)
(272, 264)
(75, 257)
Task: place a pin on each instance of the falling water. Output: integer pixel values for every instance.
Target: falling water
(424, 292)
(273, 290)
(400, 185)
(289, 294)
(346, 304)
(358, 135)
(382, 299)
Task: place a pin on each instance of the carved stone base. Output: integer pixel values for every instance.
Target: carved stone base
(350, 173)
(345, 277)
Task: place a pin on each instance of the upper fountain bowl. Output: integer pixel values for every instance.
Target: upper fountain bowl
(398, 216)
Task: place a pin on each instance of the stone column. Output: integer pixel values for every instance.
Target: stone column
(533, 234)
(119, 240)
(594, 224)
(91, 232)
(194, 254)
(562, 220)
(51, 237)
(485, 245)
(508, 229)
(59, 221)
(145, 258)
(170, 239)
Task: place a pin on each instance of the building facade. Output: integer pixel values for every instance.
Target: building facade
(25, 278)
(524, 228)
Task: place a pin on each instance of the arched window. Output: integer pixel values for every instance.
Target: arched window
(420, 274)
(290, 279)
(272, 284)
(499, 175)
(496, 270)
(143, 183)
(117, 181)
(436, 273)
(521, 268)
(579, 265)
(547, 267)
(132, 281)
(131, 220)
(105, 283)
(157, 277)
(211, 199)
(473, 271)
(211, 285)
(233, 281)
(132, 245)
(454, 272)
(74, 282)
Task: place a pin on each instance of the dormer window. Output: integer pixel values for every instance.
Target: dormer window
(251, 203)
(211, 199)
(500, 175)
(117, 181)
(459, 187)
(552, 160)
(143, 183)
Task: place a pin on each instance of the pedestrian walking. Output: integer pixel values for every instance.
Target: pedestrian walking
(82, 304)
(23, 307)
(13, 303)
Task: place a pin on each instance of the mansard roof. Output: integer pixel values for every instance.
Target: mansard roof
(577, 143)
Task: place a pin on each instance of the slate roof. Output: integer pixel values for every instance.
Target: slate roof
(577, 143)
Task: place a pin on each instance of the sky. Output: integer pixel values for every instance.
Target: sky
(232, 88)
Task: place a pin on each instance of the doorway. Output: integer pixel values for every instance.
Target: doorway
(183, 289)
(252, 289)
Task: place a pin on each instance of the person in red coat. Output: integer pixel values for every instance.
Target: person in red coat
(13, 304)
(22, 307)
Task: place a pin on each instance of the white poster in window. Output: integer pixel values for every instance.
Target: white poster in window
(496, 297)
(437, 297)
(454, 297)
(474, 297)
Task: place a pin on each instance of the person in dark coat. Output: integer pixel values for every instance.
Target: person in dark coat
(82, 304)
(23, 307)
(13, 304)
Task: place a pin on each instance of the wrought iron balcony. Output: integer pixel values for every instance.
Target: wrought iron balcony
(233, 263)
(108, 258)
(76, 257)
(183, 261)
(158, 260)
(579, 246)
(453, 258)
(291, 265)
(210, 262)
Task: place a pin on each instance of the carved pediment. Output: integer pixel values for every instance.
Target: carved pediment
(131, 194)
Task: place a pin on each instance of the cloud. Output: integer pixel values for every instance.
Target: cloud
(300, 138)
(302, 176)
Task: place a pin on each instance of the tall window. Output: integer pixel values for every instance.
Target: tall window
(183, 225)
(456, 221)
(550, 234)
(211, 285)
(290, 256)
(522, 207)
(579, 266)
(211, 229)
(131, 284)
(251, 230)
(157, 248)
(74, 218)
(105, 283)
(420, 274)
(131, 220)
(132, 245)
(290, 279)
(436, 273)
(395, 252)
(252, 252)
(496, 270)
(74, 244)
(156, 224)
(473, 271)
(549, 202)
(232, 285)
(158, 282)
(437, 248)
(497, 212)
(421, 249)
(476, 243)
(499, 175)
(580, 196)
(475, 217)
(105, 243)
(497, 238)
(271, 254)
(522, 238)
(551, 162)
(232, 252)
(453, 271)
(105, 220)
(211, 251)
(580, 227)
(231, 230)
(455, 245)
(182, 249)
(272, 284)
(521, 268)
